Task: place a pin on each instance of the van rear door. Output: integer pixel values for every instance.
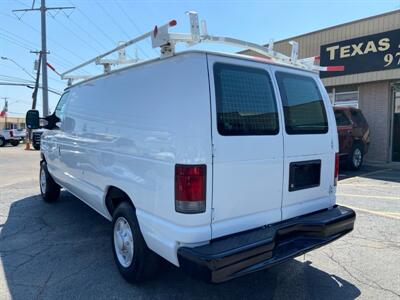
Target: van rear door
(309, 143)
(247, 146)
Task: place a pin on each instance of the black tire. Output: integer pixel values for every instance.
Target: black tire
(14, 143)
(36, 147)
(144, 261)
(50, 190)
(2, 142)
(356, 157)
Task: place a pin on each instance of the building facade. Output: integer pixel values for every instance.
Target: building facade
(369, 50)
(11, 122)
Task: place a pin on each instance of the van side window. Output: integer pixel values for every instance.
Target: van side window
(341, 118)
(59, 111)
(303, 106)
(245, 101)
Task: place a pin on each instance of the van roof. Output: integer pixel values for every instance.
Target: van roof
(188, 52)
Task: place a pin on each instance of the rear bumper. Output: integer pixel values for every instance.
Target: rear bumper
(239, 254)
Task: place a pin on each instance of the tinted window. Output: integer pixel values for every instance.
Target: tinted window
(245, 101)
(341, 118)
(303, 106)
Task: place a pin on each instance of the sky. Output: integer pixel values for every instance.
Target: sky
(95, 26)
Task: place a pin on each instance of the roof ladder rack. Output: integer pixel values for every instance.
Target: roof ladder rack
(166, 41)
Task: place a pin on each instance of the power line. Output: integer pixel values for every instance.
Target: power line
(87, 33)
(53, 41)
(50, 39)
(13, 41)
(43, 10)
(19, 80)
(138, 29)
(120, 27)
(113, 20)
(30, 85)
(22, 45)
(26, 44)
(78, 37)
(94, 24)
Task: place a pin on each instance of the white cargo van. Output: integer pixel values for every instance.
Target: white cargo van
(222, 164)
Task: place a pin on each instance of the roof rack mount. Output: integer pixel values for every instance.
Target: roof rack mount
(166, 41)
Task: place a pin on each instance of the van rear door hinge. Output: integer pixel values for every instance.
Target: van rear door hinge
(212, 214)
(213, 149)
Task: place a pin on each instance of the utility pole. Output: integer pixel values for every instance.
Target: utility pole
(6, 110)
(43, 9)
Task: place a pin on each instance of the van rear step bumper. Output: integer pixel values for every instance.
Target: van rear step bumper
(239, 254)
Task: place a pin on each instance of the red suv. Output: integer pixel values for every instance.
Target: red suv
(353, 134)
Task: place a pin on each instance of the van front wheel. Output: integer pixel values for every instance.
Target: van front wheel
(135, 261)
(49, 189)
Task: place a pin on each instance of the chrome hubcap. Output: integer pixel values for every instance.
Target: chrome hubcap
(357, 157)
(43, 180)
(123, 242)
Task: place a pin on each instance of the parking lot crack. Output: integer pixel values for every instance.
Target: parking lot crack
(374, 285)
(42, 288)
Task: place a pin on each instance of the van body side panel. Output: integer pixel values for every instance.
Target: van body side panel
(248, 169)
(129, 129)
(303, 149)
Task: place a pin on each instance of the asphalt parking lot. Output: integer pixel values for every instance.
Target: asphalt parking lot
(62, 250)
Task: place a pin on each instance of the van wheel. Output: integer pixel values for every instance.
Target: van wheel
(135, 261)
(49, 189)
(2, 142)
(356, 158)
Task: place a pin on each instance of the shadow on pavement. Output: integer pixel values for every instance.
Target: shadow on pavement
(63, 250)
(370, 172)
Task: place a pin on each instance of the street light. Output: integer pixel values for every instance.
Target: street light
(19, 66)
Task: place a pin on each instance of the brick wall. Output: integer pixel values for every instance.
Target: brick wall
(375, 103)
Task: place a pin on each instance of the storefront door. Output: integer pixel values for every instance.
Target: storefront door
(396, 125)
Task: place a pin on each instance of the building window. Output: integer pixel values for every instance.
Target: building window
(344, 95)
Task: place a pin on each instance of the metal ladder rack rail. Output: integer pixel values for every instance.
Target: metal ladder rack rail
(166, 41)
(98, 58)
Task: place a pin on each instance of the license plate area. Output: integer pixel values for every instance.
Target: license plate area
(304, 174)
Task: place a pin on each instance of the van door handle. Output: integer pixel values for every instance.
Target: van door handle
(59, 151)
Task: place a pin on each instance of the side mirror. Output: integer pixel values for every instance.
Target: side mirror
(32, 119)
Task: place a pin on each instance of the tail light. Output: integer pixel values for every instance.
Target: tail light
(190, 188)
(336, 168)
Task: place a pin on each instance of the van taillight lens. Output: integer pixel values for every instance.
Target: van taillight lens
(336, 168)
(190, 188)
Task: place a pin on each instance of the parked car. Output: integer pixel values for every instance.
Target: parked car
(20, 134)
(36, 136)
(353, 131)
(7, 137)
(221, 164)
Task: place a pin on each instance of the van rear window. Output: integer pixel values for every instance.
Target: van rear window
(302, 103)
(245, 101)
